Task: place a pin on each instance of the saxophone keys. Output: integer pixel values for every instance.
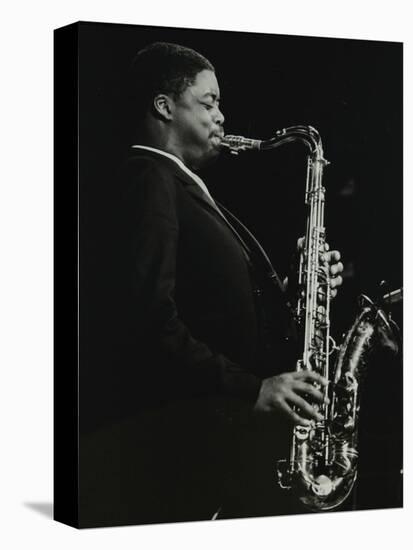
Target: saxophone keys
(302, 432)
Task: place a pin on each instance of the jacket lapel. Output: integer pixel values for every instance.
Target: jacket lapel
(191, 186)
(195, 191)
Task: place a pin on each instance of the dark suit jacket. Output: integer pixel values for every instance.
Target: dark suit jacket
(188, 351)
(188, 283)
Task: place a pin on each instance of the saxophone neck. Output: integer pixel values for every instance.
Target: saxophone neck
(304, 134)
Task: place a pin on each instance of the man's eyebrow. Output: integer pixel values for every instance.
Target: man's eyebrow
(214, 96)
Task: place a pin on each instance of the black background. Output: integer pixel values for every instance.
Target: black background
(351, 91)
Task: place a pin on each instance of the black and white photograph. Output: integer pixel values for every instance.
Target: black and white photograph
(204, 279)
(235, 238)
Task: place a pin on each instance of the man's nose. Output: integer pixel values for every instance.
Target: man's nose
(219, 119)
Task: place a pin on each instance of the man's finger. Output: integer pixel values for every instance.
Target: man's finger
(334, 256)
(300, 243)
(336, 268)
(295, 417)
(312, 376)
(314, 393)
(305, 407)
(337, 281)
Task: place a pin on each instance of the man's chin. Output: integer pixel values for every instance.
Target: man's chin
(206, 158)
(211, 155)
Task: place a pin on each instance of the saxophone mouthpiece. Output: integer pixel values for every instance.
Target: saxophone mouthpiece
(235, 144)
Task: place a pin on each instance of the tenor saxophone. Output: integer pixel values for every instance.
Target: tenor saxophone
(322, 465)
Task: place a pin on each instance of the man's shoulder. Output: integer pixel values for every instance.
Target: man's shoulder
(149, 165)
(143, 167)
(143, 160)
(147, 177)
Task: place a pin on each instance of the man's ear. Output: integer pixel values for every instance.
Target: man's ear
(162, 105)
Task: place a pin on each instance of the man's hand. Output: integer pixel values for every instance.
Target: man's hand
(335, 267)
(280, 394)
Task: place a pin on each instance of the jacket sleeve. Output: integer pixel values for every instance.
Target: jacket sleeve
(192, 368)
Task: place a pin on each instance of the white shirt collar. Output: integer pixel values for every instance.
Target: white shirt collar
(181, 165)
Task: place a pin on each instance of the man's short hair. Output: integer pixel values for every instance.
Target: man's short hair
(165, 68)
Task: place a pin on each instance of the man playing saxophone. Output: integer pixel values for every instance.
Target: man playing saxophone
(189, 319)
